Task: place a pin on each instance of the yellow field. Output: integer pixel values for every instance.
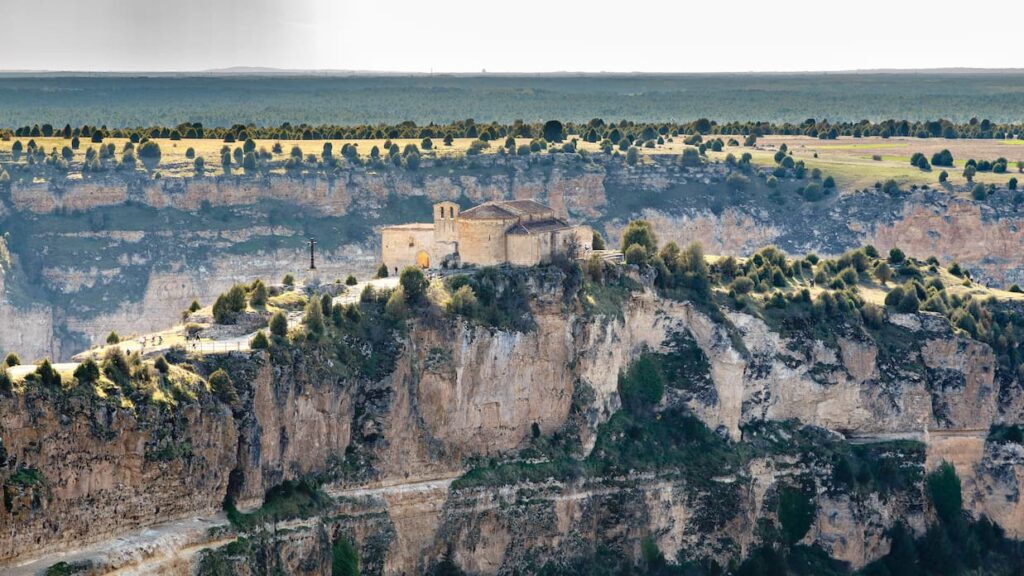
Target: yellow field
(848, 160)
(173, 161)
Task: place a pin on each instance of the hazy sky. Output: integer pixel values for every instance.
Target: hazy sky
(508, 36)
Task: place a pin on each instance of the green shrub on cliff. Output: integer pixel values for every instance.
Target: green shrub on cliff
(88, 372)
(635, 255)
(690, 157)
(313, 318)
(396, 306)
(279, 325)
(909, 303)
(12, 359)
(162, 365)
(1003, 433)
(369, 294)
(116, 368)
(229, 304)
(641, 233)
(463, 302)
(957, 544)
(69, 568)
(344, 558)
(414, 284)
(796, 512)
(223, 387)
(595, 269)
(683, 273)
(641, 386)
(258, 294)
(352, 313)
(259, 341)
(632, 155)
(288, 500)
(25, 476)
(944, 493)
(501, 299)
(46, 376)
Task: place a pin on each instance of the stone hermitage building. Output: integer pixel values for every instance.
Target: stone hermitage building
(518, 232)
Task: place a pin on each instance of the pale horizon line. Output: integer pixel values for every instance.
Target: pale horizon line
(272, 71)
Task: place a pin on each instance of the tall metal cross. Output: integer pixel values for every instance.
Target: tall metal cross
(312, 260)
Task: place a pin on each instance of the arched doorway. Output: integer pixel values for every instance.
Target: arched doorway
(423, 259)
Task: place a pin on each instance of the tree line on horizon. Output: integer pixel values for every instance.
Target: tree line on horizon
(594, 130)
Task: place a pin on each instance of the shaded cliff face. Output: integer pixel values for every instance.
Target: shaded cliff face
(78, 471)
(95, 255)
(549, 460)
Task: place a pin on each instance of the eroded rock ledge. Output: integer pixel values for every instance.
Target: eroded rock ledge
(128, 255)
(458, 395)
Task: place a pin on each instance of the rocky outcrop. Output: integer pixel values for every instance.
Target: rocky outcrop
(78, 471)
(463, 395)
(107, 253)
(985, 238)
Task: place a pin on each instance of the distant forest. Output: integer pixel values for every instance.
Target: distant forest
(595, 130)
(119, 101)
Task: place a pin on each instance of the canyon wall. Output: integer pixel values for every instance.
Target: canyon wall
(463, 396)
(105, 254)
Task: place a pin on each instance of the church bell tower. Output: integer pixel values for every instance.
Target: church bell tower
(445, 215)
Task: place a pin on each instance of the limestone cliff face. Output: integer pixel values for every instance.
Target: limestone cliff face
(30, 329)
(77, 471)
(987, 238)
(843, 385)
(105, 253)
(189, 195)
(291, 429)
(462, 394)
(23, 327)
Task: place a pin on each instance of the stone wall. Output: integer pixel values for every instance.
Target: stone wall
(524, 249)
(403, 246)
(482, 242)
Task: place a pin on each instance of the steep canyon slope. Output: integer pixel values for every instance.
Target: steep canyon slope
(505, 447)
(117, 253)
(129, 255)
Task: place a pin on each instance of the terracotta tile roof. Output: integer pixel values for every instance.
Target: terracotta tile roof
(539, 227)
(488, 211)
(505, 210)
(526, 206)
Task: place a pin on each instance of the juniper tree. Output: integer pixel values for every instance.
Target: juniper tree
(279, 324)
